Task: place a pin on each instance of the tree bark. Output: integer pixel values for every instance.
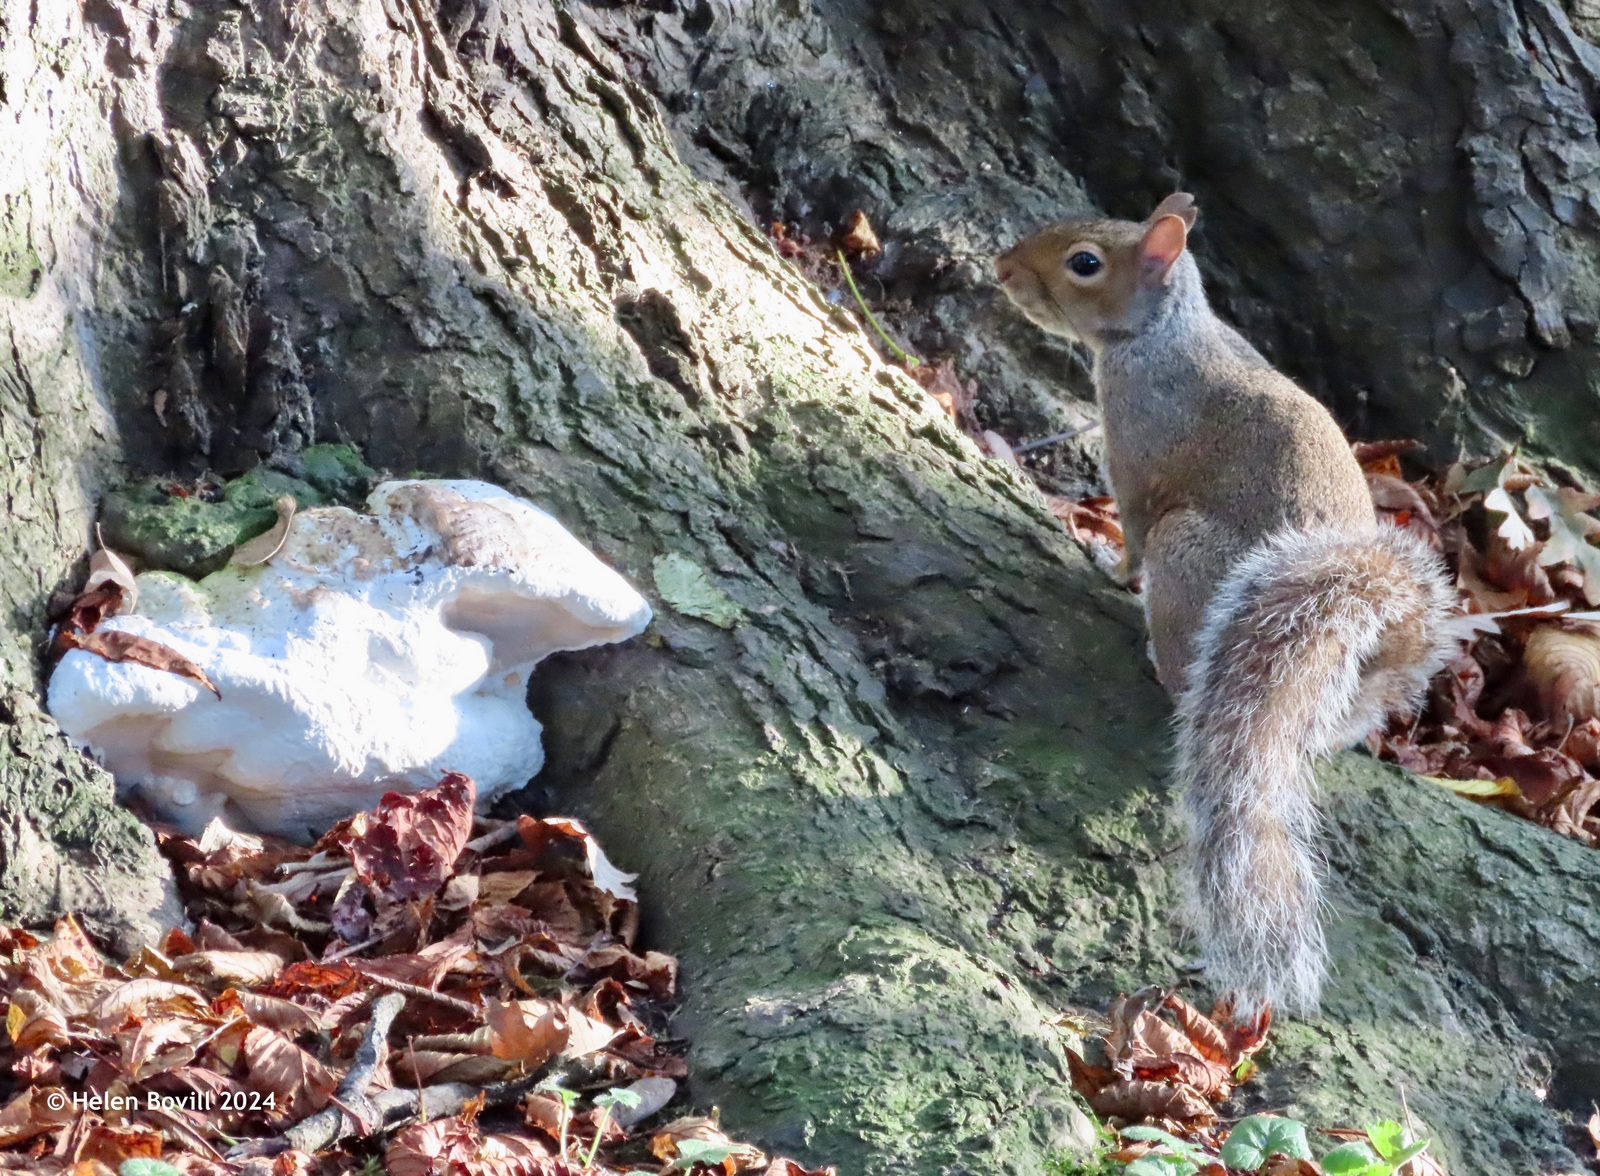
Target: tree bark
(905, 805)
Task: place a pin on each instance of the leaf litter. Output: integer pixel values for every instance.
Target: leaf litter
(441, 993)
(1513, 720)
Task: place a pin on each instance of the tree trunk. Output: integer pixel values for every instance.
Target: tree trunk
(904, 804)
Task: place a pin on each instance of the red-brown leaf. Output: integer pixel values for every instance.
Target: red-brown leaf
(115, 645)
(408, 845)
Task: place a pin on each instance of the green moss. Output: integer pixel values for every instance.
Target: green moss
(188, 534)
(20, 267)
(338, 473)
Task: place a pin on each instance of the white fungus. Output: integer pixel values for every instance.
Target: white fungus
(371, 652)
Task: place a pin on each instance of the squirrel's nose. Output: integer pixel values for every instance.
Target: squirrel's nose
(1004, 269)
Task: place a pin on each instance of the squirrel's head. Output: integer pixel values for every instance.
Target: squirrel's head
(1096, 281)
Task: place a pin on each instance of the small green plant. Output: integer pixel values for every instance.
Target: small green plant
(1177, 1157)
(701, 1151)
(1260, 1137)
(1388, 1152)
(567, 1098)
(895, 349)
(606, 1101)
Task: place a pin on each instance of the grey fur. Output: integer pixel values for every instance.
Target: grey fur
(1290, 666)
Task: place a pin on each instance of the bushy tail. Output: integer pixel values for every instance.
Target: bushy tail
(1308, 642)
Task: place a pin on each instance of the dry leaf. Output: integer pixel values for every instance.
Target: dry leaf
(1478, 789)
(233, 967)
(539, 834)
(527, 1031)
(1137, 1101)
(1208, 1039)
(408, 845)
(106, 567)
(858, 238)
(953, 395)
(263, 547)
(116, 645)
(112, 1145)
(33, 1023)
(784, 1167)
(1562, 664)
(277, 1066)
(1512, 529)
(664, 1143)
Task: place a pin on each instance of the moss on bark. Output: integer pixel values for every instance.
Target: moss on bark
(908, 805)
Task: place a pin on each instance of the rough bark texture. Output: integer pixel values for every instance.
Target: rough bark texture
(1398, 196)
(904, 804)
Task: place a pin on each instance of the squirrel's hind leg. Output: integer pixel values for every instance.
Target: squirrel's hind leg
(1185, 558)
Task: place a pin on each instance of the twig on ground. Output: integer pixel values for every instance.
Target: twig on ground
(421, 993)
(493, 837)
(330, 1122)
(325, 1128)
(1054, 438)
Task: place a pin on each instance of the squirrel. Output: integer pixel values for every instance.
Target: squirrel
(1284, 619)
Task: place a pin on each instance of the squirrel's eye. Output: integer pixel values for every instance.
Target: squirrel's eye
(1084, 264)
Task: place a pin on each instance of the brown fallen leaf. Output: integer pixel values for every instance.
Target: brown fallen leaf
(1562, 664)
(112, 1145)
(1090, 520)
(1211, 1079)
(115, 645)
(527, 1031)
(257, 551)
(654, 971)
(33, 1023)
(1382, 457)
(234, 967)
(1281, 1165)
(296, 1081)
(274, 1012)
(34, 1112)
(94, 605)
(858, 239)
(703, 1129)
(107, 568)
(540, 835)
(1088, 1079)
(1208, 1039)
(1136, 1101)
(408, 845)
(787, 1167)
(456, 1146)
(953, 394)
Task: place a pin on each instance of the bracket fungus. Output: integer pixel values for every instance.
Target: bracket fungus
(370, 652)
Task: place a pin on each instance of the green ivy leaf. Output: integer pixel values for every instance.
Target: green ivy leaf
(1354, 1159)
(144, 1166)
(1260, 1137)
(1160, 1166)
(1388, 1137)
(1416, 1149)
(701, 1151)
(1183, 1147)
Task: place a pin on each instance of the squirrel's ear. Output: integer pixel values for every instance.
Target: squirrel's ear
(1178, 204)
(1161, 246)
